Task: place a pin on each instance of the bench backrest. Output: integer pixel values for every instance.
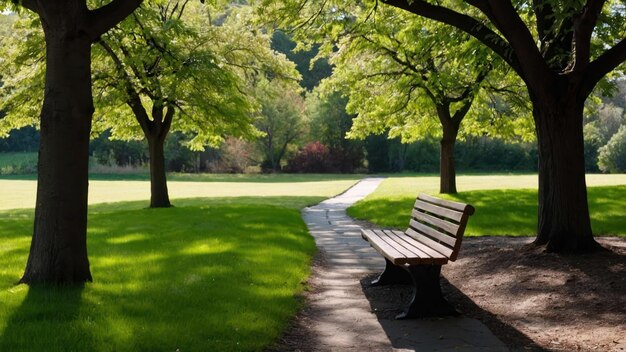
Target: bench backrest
(439, 224)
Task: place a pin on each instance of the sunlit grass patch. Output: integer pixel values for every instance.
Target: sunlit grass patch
(18, 193)
(213, 277)
(506, 211)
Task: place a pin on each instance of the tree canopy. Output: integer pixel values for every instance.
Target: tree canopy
(397, 71)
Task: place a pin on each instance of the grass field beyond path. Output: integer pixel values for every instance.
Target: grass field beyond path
(18, 193)
(505, 204)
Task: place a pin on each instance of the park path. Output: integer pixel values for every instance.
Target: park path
(339, 317)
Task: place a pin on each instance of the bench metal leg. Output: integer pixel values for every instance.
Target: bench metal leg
(392, 275)
(427, 299)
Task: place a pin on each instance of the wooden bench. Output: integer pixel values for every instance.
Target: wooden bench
(432, 239)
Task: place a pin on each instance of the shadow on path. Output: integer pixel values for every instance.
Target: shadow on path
(426, 334)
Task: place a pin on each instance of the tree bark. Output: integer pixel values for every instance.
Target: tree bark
(447, 173)
(564, 224)
(58, 252)
(450, 126)
(159, 195)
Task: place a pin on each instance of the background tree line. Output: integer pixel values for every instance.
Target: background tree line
(605, 142)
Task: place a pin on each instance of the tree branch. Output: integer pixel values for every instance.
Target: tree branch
(463, 22)
(506, 19)
(30, 5)
(106, 17)
(604, 64)
(555, 43)
(544, 13)
(583, 29)
(468, 92)
(460, 114)
(167, 120)
(134, 101)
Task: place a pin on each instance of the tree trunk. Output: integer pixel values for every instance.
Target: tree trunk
(563, 224)
(159, 197)
(447, 173)
(275, 164)
(58, 252)
(450, 127)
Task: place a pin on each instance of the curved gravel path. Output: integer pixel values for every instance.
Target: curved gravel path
(339, 317)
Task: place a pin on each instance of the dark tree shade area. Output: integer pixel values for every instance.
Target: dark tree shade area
(474, 155)
(25, 139)
(310, 77)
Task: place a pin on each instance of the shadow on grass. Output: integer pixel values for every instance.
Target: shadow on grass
(220, 277)
(42, 308)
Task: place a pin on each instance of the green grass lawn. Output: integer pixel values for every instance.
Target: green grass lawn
(211, 274)
(505, 204)
(20, 193)
(208, 275)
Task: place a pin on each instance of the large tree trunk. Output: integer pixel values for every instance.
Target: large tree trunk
(58, 252)
(563, 224)
(447, 173)
(159, 197)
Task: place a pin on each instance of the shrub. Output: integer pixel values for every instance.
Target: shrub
(346, 159)
(234, 157)
(314, 157)
(378, 158)
(107, 152)
(25, 139)
(18, 163)
(593, 143)
(612, 157)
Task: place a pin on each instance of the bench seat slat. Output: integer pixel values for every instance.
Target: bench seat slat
(383, 247)
(441, 211)
(434, 258)
(395, 244)
(430, 243)
(425, 229)
(449, 227)
(405, 241)
(424, 247)
(414, 255)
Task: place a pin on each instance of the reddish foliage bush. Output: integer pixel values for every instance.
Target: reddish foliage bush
(314, 157)
(317, 158)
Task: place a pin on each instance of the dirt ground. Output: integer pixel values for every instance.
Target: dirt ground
(532, 301)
